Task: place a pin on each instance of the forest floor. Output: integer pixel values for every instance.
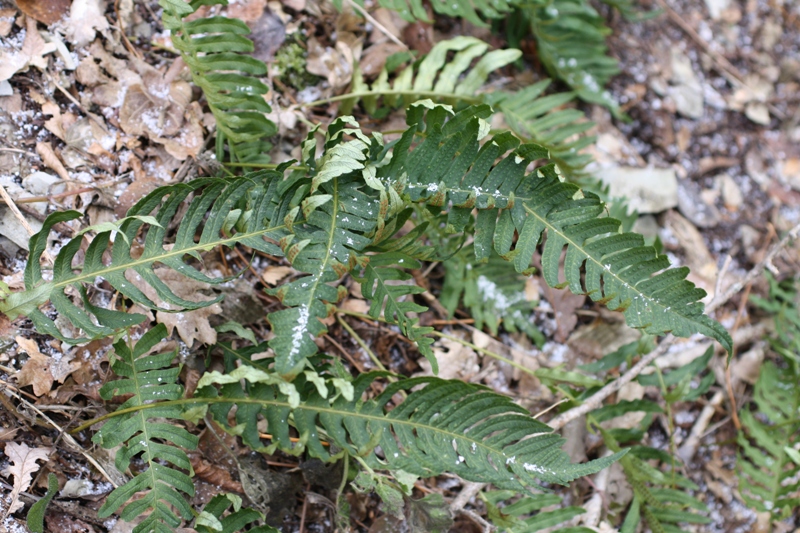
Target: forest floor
(712, 91)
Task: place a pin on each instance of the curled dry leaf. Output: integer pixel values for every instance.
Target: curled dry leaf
(41, 370)
(46, 11)
(22, 464)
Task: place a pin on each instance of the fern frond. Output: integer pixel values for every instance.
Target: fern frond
(525, 515)
(213, 519)
(441, 426)
(435, 77)
(494, 292)
(542, 119)
(148, 378)
(450, 168)
(570, 38)
(346, 208)
(768, 478)
(215, 50)
(379, 284)
(211, 202)
(458, 81)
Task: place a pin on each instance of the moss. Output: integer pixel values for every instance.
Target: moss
(290, 63)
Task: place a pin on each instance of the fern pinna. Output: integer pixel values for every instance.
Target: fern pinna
(769, 442)
(459, 80)
(215, 49)
(148, 379)
(342, 212)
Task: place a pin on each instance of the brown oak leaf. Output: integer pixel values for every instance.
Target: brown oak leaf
(41, 370)
(22, 465)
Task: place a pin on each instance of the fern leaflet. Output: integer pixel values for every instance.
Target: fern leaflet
(769, 441)
(215, 49)
(148, 378)
(532, 116)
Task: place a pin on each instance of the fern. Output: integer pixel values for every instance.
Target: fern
(532, 116)
(215, 50)
(211, 520)
(570, 35)
(768, 444)
(525, 515)
(494, 292)
(342, 211)
(441, 426)
(570, 39)
(148, 378)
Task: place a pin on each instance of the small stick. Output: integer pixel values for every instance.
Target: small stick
(21, 219)
(372, 20)
(468, 491)
(689, 447)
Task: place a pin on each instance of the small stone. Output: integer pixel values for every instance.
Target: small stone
(731, 193)
(716, 7)
(648, 190)
(646, 226)
(691, 206)
(757, 112)
(687, 91)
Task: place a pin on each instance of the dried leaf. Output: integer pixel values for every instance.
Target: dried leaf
(156, 111)
(86, 18)
(42, 370)
(191, 325)
(32, 53)
(46, 11)
(7, 17)
(564, 305)
(22, 465)
(50, 159)
(456, 361)
(273, 274)
(190, 140)
(216, 475)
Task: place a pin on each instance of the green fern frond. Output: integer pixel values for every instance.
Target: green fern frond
(655, 499)
(214, 520)
(211, 203)
(379, 284)
(450, 168)
(570, 38)
(768, 463)
(525, 515)
(494, 293)
(441, 426)
(436, 77)
(458, 81)
(148, 379)
(768, 478)
(342, 210)
(215, 50)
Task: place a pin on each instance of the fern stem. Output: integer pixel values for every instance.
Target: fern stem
(391, 92)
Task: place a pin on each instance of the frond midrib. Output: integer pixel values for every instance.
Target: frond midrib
(301, 407)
